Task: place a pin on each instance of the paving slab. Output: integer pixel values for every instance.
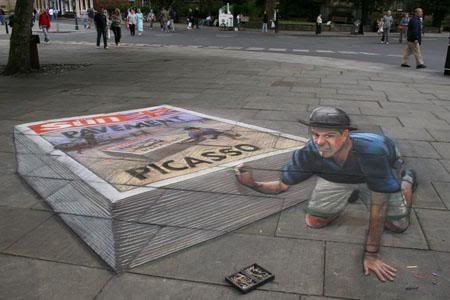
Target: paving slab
(25, 278)
(417, 149)
(423, 123)
(319, 298)
(407, 133)
(435, 226)
(281, 115)
(440, 135)
(428, 169)
(344, 276)
(266, 226)
(132, 286)
(443, 149)
(376, 120)
(350, 227)
(16, 193)
(7, 163)
(53, 240)
(426, 196)
(16, 222)
(443, 189)
(6, 142)
(210, 262)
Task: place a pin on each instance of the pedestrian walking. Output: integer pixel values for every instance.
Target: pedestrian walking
(51, 13)
(403, 26)
(101, 26)
(116, 23)
(132, 21)
(414, 37)
(265, 20)
(108, 23)
(196, 17)
(140, 22)
(151, 18)
(172, 17)
(163, 19)
(2, 16)
(276, 19)
(91, 15)
(44, 24)
(85, 18)
(319, 24)
(380, 30)
(387, 23)
(190, 19)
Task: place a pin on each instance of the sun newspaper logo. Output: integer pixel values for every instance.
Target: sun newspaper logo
(47, 127)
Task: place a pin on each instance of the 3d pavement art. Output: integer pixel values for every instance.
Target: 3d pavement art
(139, 185)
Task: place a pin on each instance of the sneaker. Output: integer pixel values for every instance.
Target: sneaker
(421, 66)
(387, 43)
(409, 175)
(98, 47)
(106, 47)
(405, 66)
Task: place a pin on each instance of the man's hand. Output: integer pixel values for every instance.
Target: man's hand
(245, 176)
(373, 263)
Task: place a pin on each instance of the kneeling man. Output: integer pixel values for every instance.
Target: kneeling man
(348, 165)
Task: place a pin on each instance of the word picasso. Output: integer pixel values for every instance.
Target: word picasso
(188, 162)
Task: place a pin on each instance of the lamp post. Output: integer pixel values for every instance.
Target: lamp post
(447, 60)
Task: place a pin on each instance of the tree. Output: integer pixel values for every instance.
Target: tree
(438, 8)
(19, 47)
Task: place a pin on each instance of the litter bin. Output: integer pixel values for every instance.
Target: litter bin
(34, 57)
(355, 27)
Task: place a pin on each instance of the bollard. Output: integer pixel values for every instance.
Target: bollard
(76, 23)
(34, 57)
(6, 27)
(447, 61)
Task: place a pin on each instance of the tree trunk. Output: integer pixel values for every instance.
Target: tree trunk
(19, 47)
(270, 6)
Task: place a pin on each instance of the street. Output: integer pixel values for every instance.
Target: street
(366, 48)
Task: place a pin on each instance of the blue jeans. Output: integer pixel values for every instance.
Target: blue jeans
(45, 31)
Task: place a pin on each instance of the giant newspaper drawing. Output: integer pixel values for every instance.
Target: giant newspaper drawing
(141, 184)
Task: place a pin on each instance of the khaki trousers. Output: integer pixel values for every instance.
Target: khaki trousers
(412, 48)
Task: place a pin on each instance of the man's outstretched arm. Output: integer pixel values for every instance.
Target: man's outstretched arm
(245, 177)
(372, 261)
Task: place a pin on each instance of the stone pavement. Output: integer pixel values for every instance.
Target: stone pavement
(41, 258)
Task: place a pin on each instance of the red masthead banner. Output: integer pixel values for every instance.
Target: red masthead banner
(106, 119)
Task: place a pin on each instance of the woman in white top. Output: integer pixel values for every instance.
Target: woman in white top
(132, 21)
(319, 24)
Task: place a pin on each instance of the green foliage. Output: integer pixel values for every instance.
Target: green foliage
(304, 9)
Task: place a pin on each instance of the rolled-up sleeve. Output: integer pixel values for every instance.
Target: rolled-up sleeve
(298, 169)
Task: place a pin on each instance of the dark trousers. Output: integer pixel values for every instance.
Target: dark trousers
(133, 29)
(100, 32)
(318, 28)
(117, 34)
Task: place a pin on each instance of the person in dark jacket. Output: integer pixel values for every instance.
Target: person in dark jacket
(265, 20)
(414, 38)
(101, 26)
